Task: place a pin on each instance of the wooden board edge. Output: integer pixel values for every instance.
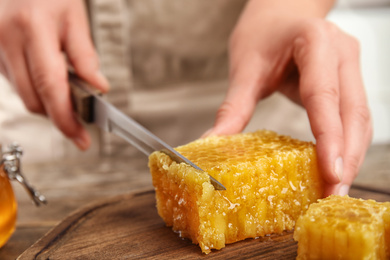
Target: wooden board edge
(72, 221)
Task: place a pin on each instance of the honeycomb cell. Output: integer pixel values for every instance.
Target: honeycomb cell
(341, 227)
(270, 181)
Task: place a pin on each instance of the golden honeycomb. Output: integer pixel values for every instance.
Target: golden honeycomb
(341, 227)
(7, 208)
(270, 180)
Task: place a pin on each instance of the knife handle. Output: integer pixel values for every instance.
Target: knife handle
(82, 97)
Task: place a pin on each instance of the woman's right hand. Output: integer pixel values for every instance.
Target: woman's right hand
(34, 36)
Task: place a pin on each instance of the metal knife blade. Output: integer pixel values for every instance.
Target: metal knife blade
(92, 108)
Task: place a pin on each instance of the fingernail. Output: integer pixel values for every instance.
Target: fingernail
(338, 168)
(207, 133)
(82, 141)
(79, 142)
(103, 80)
(344, 190)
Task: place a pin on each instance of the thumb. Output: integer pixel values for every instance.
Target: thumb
(240, 101)
(80, 49)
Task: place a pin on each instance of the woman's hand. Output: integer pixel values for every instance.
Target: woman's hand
(34, 36)
(295, 51)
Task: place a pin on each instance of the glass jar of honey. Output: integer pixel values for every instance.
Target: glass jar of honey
(7, 208)
(10, 170)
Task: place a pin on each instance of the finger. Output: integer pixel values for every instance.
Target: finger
(290, 85)
(241, 98)
(355, 113)
(20, 78)
(339, 189)
(319, 89)
(3, 69)
(49, 77)
(80, 50)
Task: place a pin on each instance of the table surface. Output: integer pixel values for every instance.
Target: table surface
(69, 185)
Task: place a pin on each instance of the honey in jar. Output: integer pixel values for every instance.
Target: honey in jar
(8, 208)
(10, 169)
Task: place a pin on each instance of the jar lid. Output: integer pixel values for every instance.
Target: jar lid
(11, 162)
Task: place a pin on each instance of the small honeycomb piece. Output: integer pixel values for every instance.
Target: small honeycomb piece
(270, 180)
(340, 227)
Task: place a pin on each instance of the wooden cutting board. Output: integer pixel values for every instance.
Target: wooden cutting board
(128, 227)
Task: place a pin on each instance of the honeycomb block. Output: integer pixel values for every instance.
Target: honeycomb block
(270, 181)
(340, 227)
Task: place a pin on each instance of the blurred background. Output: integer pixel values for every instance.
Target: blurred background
(167, 63)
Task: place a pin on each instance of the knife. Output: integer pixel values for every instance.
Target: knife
(92, 108)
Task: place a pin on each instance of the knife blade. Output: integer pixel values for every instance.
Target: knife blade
(92, 108)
